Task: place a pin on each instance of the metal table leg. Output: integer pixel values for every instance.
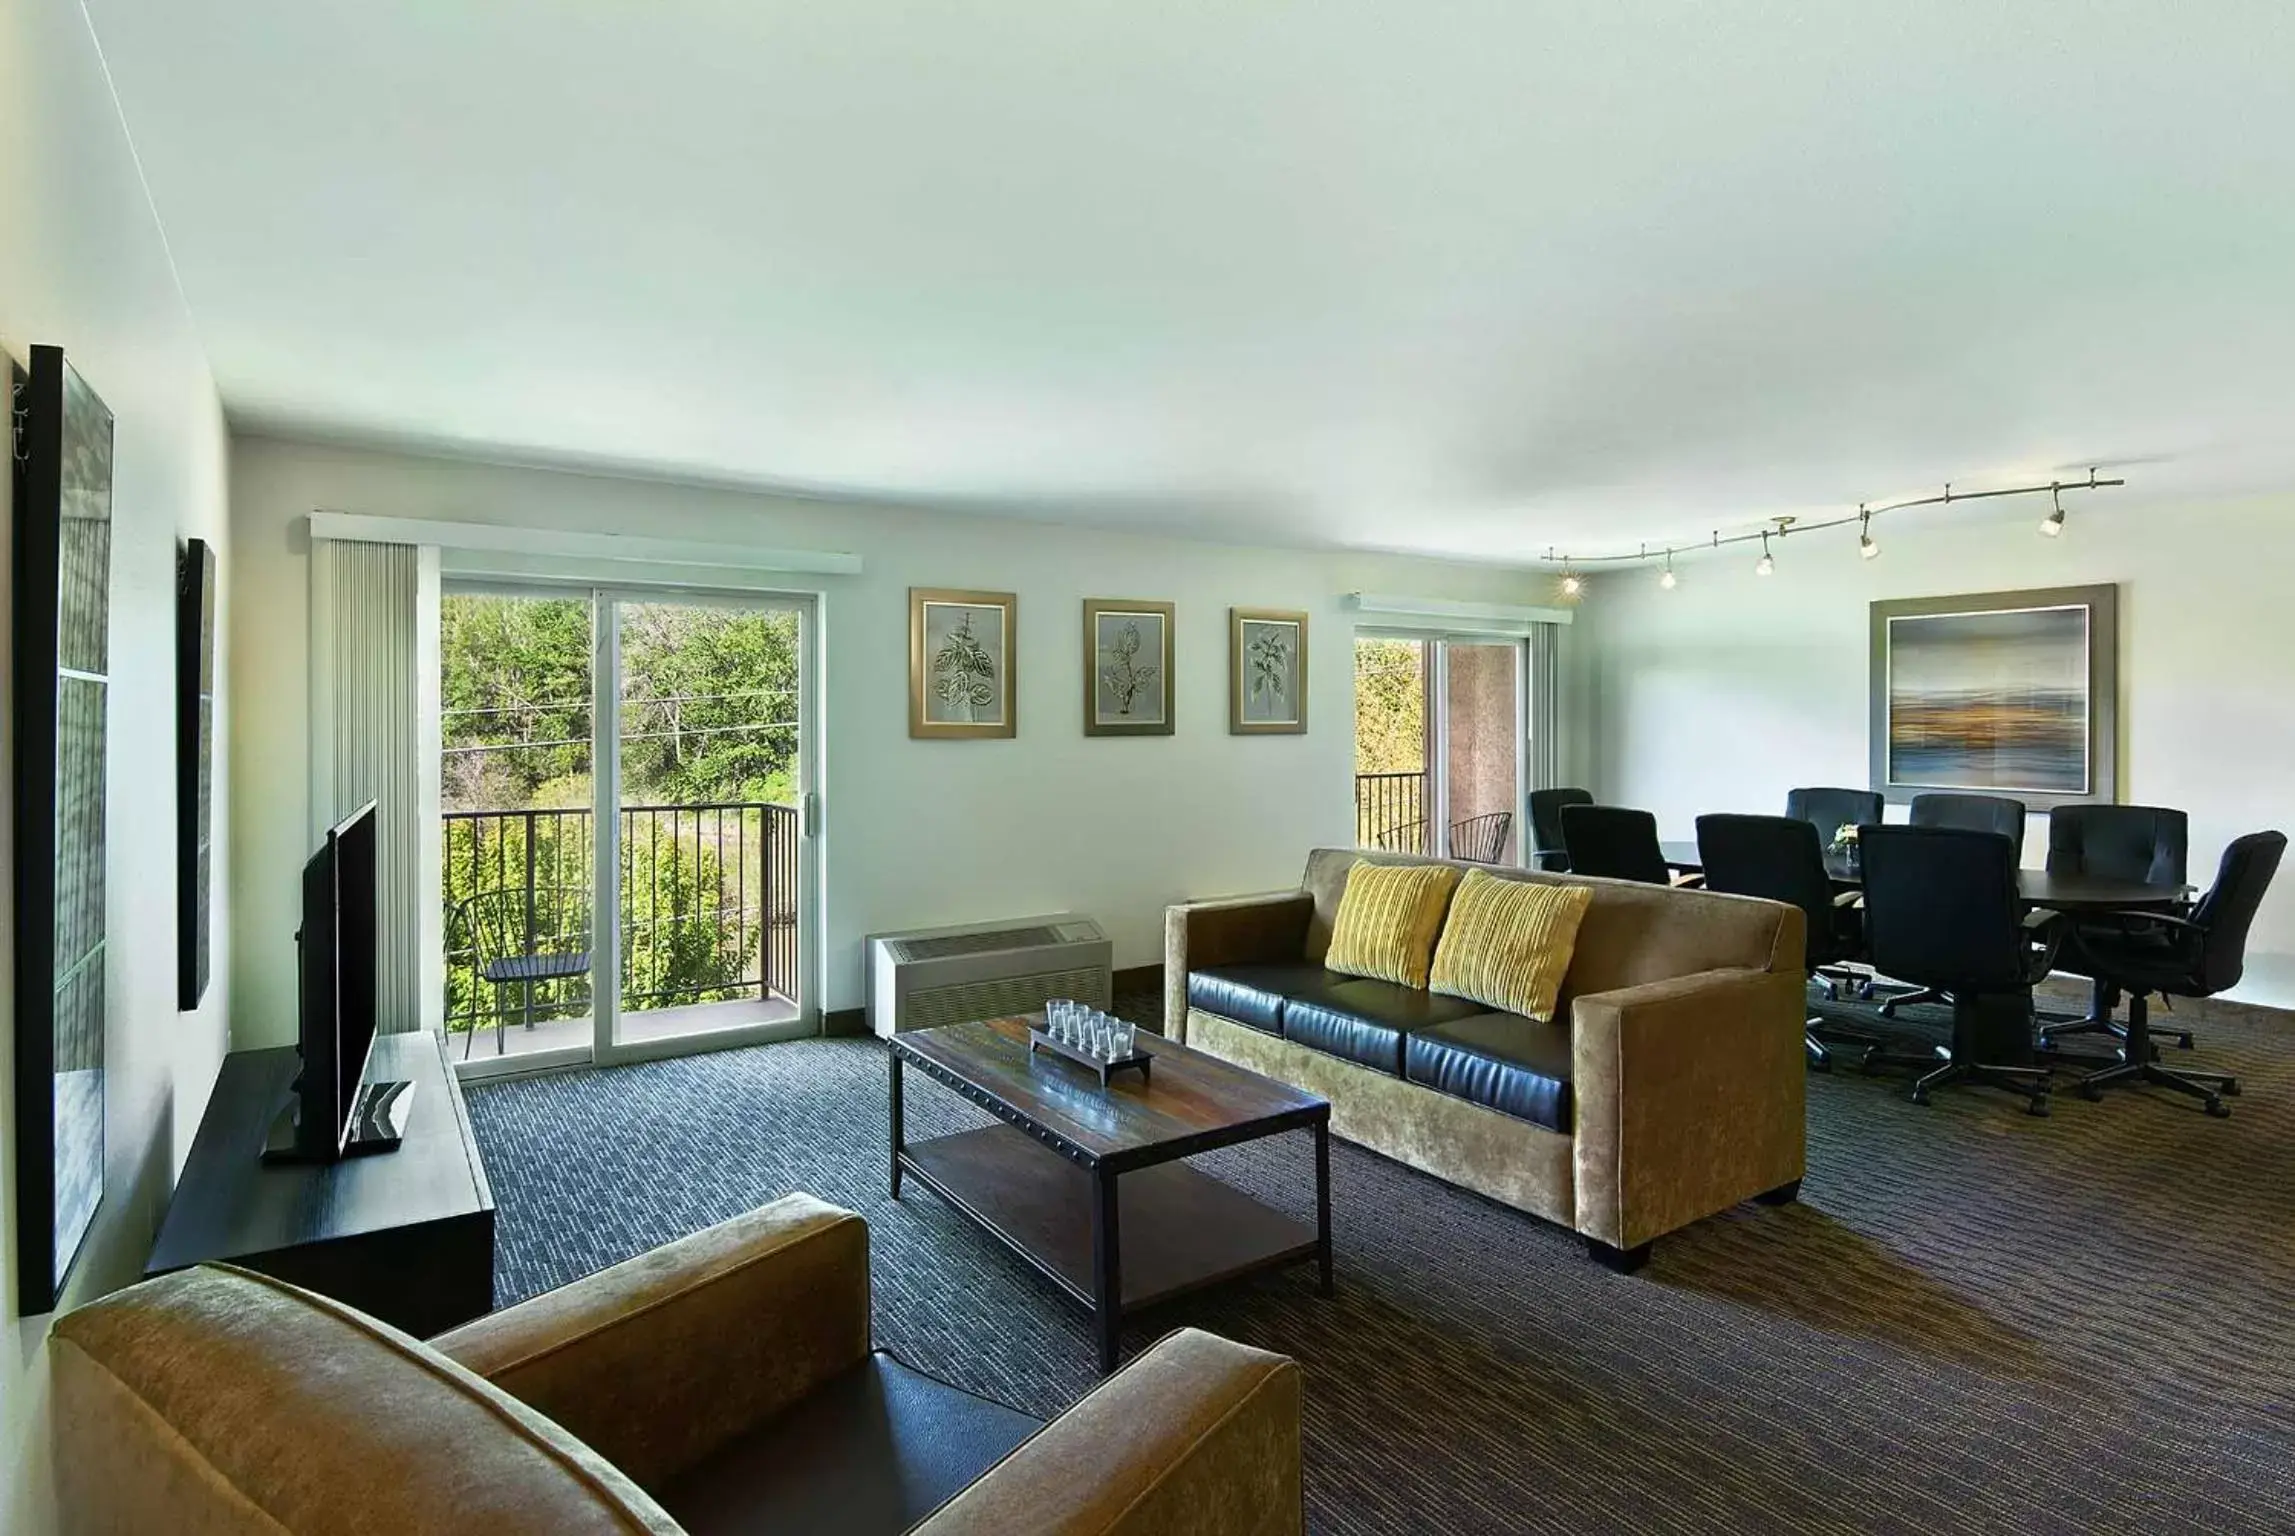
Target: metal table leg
(1107, 1269)
(893, 1057)
(1323, 1204)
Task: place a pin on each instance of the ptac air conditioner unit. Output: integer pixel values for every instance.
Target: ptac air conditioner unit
(984, 970)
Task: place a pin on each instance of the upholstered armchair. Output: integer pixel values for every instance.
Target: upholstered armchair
(723, 1382)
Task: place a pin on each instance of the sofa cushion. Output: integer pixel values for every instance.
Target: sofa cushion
(1502, 1061)
(1367, 1021)
(1507, 943)
(1255, 994)
(1388, 920)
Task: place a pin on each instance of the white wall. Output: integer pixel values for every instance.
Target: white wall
(1733, 688)
(917, 831)
(83, 265)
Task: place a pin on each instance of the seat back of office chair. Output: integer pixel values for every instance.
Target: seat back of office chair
(1829, 810)
(1972, 813)
(2228, 909)
(2120, 842)
(1546, 824)
(1614, 841)
(1777, 858)
(1941, 908)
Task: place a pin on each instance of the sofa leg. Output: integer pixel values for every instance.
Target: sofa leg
(1783, 1194)
(1623, 1261)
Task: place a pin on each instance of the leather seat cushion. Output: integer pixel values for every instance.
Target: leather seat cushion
(1255, 994)
(1501, 1061)
(874, 1451)
(1366, 1021)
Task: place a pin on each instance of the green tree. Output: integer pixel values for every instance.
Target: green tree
(1390, 706)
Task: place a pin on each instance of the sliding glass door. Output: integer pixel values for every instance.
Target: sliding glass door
(1439, 745)
(626, 853)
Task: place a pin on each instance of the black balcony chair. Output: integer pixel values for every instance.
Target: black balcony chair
(1829, 810)
(2122, 842)
(1965, 813)
(2143, 953)
(1481, 839)
(1780, 858)
(1402, 837)
(1614, 841)
(1941, 910)
(1546, 850)
(519, 937)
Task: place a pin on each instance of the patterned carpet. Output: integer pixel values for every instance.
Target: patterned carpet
(1974, 1321)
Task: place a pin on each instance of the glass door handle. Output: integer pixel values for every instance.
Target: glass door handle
(809, 814)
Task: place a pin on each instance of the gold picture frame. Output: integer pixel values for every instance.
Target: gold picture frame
(1127, 667)
(1266, 672)
(963, 664)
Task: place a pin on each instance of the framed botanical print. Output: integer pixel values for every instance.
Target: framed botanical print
(1127, 667)
(1266, 672)
(2013, 693)
(962, 650)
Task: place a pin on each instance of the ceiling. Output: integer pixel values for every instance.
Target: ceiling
(1461, 278)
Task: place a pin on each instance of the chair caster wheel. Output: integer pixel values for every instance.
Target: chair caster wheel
(2219, 1109)
(2038, 1106)
(1821, 1064)
(2183, 1042)
(2091, 1093)
(2231, 1087)
(1919, 1097)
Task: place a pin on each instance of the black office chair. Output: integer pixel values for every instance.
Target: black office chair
(1829, 810)
(1611, 840)
(1965, 813)
(1780, 858)
(2197, 956)
(2121, 842)
(1941, 909)
(1546, 850)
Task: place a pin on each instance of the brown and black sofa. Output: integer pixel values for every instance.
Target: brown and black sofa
(1668, 1087)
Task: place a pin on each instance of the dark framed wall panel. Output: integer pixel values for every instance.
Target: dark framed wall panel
(194, 768)
(61, 689)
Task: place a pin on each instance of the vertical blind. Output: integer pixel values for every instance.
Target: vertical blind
(365, 736)
(1544, 770)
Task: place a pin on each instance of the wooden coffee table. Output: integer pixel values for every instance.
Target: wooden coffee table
(1086, 1182)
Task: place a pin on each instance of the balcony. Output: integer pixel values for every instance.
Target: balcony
(1391, 815)
(708, 922)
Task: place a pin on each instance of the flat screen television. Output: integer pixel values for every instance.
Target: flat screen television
(332, 1112)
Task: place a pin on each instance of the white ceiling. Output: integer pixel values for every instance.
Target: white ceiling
(1469, 278)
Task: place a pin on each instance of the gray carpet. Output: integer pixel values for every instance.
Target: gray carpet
(1974, 1321)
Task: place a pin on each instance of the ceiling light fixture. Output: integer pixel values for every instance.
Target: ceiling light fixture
(1866, 548)
(2053, 524)
(1667, 580)
(1572, 583)
(1765, 566)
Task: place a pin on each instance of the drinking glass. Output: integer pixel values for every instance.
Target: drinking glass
(1127, 1037)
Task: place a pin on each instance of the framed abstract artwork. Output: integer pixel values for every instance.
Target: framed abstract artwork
(1266, 672)
(2010, 693)
(1127, 667)
(961, 663)
(194, 768)
(62, 695)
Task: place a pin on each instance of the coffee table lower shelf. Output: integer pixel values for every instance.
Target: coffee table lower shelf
(1181, 1229)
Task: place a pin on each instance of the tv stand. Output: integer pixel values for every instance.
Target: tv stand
(378, 1124)
(407, 1238)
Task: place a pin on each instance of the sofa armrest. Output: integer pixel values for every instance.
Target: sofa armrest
(1690, 1097)
(1236, 930)
(1197, 1437)
(661, 1359)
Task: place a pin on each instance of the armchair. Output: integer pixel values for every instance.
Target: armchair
(722, 1382)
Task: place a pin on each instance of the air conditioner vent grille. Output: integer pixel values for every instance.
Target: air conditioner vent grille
(942, 946)
(1003, 997)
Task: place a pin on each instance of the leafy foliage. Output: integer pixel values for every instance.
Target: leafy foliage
(1390, 706)
(1270, 653)
(1121, 674)
(963, 675)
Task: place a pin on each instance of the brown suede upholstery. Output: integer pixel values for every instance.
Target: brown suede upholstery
(215, 1401)
(661, 1359)
(1685, 1012)
(1197, 1437)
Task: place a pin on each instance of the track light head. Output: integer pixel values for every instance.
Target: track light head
(1765, 566)
(1866, 548)
(1666, 578)
(1572, 584)
(2053, 524)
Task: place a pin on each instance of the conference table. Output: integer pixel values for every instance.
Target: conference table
(2035, 887)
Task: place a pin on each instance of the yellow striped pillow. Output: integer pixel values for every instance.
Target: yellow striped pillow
(1388, 917)
(1508, 943)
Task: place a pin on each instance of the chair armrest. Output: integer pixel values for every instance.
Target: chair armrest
(1197, 1437)
(1235, 930)
(1849, 899)
(2040, 917)
(1690, 1097)
(663, 1358)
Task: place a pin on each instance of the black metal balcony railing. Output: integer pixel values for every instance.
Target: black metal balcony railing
(1390, 811)
(708, 904)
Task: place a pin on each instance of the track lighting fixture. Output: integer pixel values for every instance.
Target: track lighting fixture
(2053, 524)
(1572, 583)
(1866, 548)
(1667, 580)
(1765, 566)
